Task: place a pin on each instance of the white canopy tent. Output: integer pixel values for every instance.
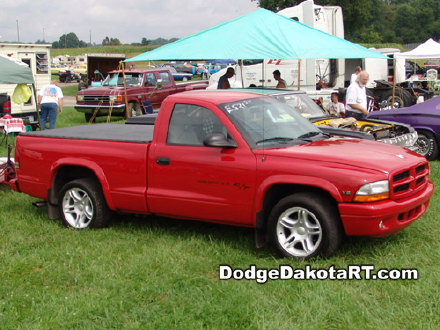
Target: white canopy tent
(429, 49)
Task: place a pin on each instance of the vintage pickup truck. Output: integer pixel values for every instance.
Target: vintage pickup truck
(144, 88)
(229, 157)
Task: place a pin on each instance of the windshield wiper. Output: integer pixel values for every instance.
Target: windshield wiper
(275, 139)
(308, 135)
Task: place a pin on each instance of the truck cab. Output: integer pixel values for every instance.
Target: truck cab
(142, 90)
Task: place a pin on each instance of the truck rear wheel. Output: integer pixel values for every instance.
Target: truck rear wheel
(83, 205)
(304, 225)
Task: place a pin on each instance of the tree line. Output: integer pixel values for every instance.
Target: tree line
(71, 40)
(380, 21)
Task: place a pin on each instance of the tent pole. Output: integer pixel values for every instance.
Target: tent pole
(127, 111)
(241, 72)
(394, 82)
(34, 90)
(299, 74)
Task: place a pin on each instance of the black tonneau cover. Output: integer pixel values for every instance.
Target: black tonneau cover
(106, 132)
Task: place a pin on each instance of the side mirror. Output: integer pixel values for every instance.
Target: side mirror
(159, 83)
(219, 140)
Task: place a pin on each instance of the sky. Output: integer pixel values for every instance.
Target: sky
(129, 20)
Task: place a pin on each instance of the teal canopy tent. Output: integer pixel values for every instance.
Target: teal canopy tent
(14, 72)
(259, 35)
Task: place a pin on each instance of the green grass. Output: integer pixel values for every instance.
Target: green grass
(70, 90)
(128, 50)
(154, 273)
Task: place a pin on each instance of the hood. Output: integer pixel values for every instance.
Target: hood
(431, 106)
(101, 90)
(354, 152)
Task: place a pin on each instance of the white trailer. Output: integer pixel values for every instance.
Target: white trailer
(37, 56)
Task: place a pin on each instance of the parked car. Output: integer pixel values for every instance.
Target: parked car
(379, 130)
(179, 76)
(425, 118)
(5, 104)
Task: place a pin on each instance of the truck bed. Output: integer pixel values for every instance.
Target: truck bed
(106, 132)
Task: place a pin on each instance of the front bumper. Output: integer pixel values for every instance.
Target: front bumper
(386, 217)
(407, 140)
(103, 109)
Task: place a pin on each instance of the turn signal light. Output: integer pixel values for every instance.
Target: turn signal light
(371, 198)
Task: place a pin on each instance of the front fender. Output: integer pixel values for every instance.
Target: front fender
(295, 180)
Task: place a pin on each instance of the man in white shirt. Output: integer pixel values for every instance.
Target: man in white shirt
(355, 74)
(50, 100)
(356, 97)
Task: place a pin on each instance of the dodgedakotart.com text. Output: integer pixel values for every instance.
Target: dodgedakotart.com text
(287, 272)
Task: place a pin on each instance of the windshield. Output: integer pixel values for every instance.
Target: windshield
(302, 104)
(265, 120)
(131, 79)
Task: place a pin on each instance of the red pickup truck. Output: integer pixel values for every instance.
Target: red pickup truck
(236, 158)
(145, 89)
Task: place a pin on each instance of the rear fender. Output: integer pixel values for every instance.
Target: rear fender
(95, 168)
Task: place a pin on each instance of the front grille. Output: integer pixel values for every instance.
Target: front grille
(409, 181)
(96, 99)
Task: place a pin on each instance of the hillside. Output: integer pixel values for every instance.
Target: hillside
(128, 50)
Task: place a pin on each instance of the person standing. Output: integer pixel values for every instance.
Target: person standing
(223, 82)
(50, 100)
(356, 98)
(277, 77)
(355, 74)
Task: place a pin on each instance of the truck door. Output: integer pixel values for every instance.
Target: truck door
(151, 93)
(190, 180)
(167, 88)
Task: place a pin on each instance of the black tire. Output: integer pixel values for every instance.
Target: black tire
(427, 145)
(135, 109)
(317, 231)
(402, 98)
(88, 116)
(82, 205)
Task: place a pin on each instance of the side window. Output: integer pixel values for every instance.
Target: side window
(165, 78)
(191, 124)
(150, 80)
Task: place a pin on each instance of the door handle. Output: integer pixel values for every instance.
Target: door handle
(163, 161)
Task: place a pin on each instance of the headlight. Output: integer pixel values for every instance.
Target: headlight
(372, 192)
(80, 98)
(115, 98)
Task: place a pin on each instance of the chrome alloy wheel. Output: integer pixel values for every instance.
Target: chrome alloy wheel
(77, 208)
(299, 231)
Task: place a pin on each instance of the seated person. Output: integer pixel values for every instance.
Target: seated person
(335, 108)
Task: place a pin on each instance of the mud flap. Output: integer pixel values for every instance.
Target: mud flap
(52, 206)
(260, 231)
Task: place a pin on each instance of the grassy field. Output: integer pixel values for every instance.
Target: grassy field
(154, 273)
(128, 50)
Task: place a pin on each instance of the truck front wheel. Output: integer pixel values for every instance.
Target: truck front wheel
(83, 205)
(304, 225)
(135, 109)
